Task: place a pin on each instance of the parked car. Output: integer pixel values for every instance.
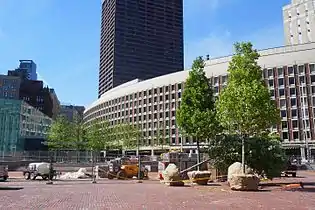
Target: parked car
(35, 170)
(4, 174)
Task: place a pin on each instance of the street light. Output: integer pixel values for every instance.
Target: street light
(51, 170)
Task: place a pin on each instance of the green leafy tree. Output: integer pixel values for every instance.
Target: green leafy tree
(60, 134)
(124, 136)
(196, 115)
(161, 138)
(128, 136)
(265, 154)
(77, 133)
(244, 107)
(97, 135)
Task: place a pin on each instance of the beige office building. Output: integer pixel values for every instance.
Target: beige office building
(299, 22)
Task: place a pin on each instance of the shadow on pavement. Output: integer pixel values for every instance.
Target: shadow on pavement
(11, 188)
(305, 189)
(277, 184)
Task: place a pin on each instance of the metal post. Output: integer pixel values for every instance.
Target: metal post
(243, 154)
(51, 170)
(198, 155)
(93, 166)
(139, 159)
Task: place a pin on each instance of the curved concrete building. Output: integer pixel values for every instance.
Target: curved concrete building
(288, 71)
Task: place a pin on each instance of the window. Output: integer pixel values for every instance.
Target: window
(281, 82)
(283, 113)
(284, 124)
(293, 101)
(290, 70)
(282, 103)
(312, 68)
(285, 135)
(270, 72)
(281, 92)
(294, 113)
(270, 83)
(292, 91)
(272, 93)
(280, 71)
(291, 80)
(301, 69)
(296, 135)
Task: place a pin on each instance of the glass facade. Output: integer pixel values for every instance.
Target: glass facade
(18, 122)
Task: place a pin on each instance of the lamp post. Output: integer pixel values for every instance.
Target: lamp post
(139, 161)
(51, 169)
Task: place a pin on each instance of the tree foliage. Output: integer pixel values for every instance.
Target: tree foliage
(161, 138)
(127, 136)
(78, 140)
(196, 115)
(97, 134)
(245, 105)
(265, 154)
(60, 134)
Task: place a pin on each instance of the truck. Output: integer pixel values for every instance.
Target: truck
(35, 170)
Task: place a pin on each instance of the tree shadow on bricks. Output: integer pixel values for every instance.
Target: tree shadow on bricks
(305, 189)
(279, 184)
(11, 188)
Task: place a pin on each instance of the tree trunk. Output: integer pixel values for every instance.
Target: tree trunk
(93, 164)
(243, 153)
(198, 155)
(139, 159)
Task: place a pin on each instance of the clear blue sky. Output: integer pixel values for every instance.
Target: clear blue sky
(62, 36)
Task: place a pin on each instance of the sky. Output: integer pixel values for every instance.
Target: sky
(62, 37)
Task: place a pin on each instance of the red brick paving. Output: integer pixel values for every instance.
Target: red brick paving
(116, 194)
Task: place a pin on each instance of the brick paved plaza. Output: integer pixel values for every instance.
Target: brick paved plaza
(116, 194)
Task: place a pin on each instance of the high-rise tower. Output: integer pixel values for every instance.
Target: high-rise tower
(139, 39)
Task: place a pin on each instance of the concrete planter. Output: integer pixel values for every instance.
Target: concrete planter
(199, 177)
(244, 182)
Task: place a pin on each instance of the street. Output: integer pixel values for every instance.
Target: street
(120, 194)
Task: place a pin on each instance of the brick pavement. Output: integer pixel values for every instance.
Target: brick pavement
(117, 194)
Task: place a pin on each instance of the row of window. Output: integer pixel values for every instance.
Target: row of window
(291, 70)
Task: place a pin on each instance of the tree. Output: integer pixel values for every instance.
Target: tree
(78, 141)
(60, 134)
(127, 135)
(197, 116)
(244, 107)
(265, 154)
(77, 132)
(97, 138)
(97, 134)
(161, 139)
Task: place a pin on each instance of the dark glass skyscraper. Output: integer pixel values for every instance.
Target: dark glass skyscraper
(139, 39)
